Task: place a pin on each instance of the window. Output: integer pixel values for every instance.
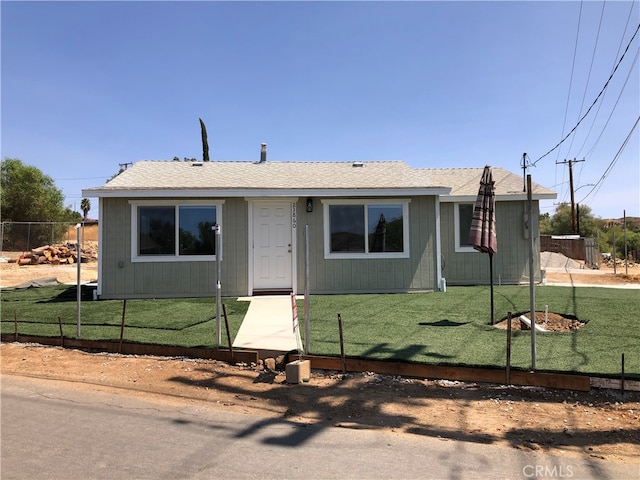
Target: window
(463, 213)
(166, 231)
(365, 229)
(197, 236)
(156, 235)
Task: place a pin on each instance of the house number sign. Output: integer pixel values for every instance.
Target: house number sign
(294, 215)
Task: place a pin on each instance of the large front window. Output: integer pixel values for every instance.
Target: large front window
(370, 228)
(172, 231)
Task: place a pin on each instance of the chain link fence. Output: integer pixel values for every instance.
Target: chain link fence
(23, 236)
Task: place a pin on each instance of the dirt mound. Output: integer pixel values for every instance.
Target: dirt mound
(552, 322)
(558, 260)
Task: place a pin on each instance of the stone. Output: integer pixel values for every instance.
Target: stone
(270, 363)
(298, 371)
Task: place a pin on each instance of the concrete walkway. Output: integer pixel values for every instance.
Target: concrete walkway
(267, 325)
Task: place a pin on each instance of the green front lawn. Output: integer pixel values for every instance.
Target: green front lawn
(437, 328)
(454, 328)
(188, 322)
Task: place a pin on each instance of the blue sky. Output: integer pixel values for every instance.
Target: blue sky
(87, 86)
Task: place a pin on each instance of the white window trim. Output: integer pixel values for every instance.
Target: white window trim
(135, 258)
(404, 202)
(456, 222)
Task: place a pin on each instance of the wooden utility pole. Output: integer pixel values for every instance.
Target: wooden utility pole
(574, 222)
(524, 171)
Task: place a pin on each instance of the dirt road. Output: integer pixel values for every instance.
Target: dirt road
(601, 424)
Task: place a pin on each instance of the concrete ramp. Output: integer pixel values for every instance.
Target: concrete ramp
(268, 325)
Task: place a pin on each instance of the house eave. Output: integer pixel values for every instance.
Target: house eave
(262, 192)
(515, 197)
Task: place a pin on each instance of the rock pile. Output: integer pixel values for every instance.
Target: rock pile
(619, 262)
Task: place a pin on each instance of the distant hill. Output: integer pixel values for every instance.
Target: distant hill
(619, 222)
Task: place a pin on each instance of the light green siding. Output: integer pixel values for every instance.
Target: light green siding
(370, 275)
(121, 278)
(510, 262)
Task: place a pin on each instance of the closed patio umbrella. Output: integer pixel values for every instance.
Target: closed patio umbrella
(482, 234)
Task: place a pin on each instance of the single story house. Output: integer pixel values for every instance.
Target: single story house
(373, 227)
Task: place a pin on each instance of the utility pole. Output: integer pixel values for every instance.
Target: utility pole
(524, 171)
(574, 223)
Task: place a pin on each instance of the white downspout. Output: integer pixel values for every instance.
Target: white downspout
(439, 279)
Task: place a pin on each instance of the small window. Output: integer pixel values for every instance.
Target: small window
(172, 232)
(196, 230)
(347, 228)
(366, 229)
(156, 235)
(385, 230)
(463, 213)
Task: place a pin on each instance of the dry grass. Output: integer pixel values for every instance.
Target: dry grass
(89, 232)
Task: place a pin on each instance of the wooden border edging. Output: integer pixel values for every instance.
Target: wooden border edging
(132, 348)
(465, 374)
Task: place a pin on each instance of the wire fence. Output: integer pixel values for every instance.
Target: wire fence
(23, 236)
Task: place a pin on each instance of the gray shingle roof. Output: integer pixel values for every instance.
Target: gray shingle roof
(465, 182)
(165, 178)
(268, 176)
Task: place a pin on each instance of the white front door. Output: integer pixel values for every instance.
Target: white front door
(272, 245)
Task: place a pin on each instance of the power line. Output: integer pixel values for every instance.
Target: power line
(615, 105)
(586, 86)
(613, 162)
(593, 56)
(573, 66)
(596, 99)
(624, 32)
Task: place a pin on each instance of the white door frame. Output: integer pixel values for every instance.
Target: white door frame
(252, 202)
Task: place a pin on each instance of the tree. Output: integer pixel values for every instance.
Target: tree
(205, 143)
(545, 224)
(28, 195)
(115, 175)
(561, 224)
(85, 205)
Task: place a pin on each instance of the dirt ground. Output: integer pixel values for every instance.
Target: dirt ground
(604, 276)
(12, 274)
(601, 424)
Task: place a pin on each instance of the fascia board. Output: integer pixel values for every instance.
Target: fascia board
(499, 198)
(261, 193)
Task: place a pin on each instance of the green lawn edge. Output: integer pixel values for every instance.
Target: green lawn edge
(451, 328)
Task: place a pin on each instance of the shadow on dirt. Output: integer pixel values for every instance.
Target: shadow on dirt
(362, 401)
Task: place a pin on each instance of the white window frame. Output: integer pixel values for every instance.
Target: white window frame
(456, 220)
(135, 204)
(366, 202)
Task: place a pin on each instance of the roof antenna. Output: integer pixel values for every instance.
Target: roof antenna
(263, 153)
